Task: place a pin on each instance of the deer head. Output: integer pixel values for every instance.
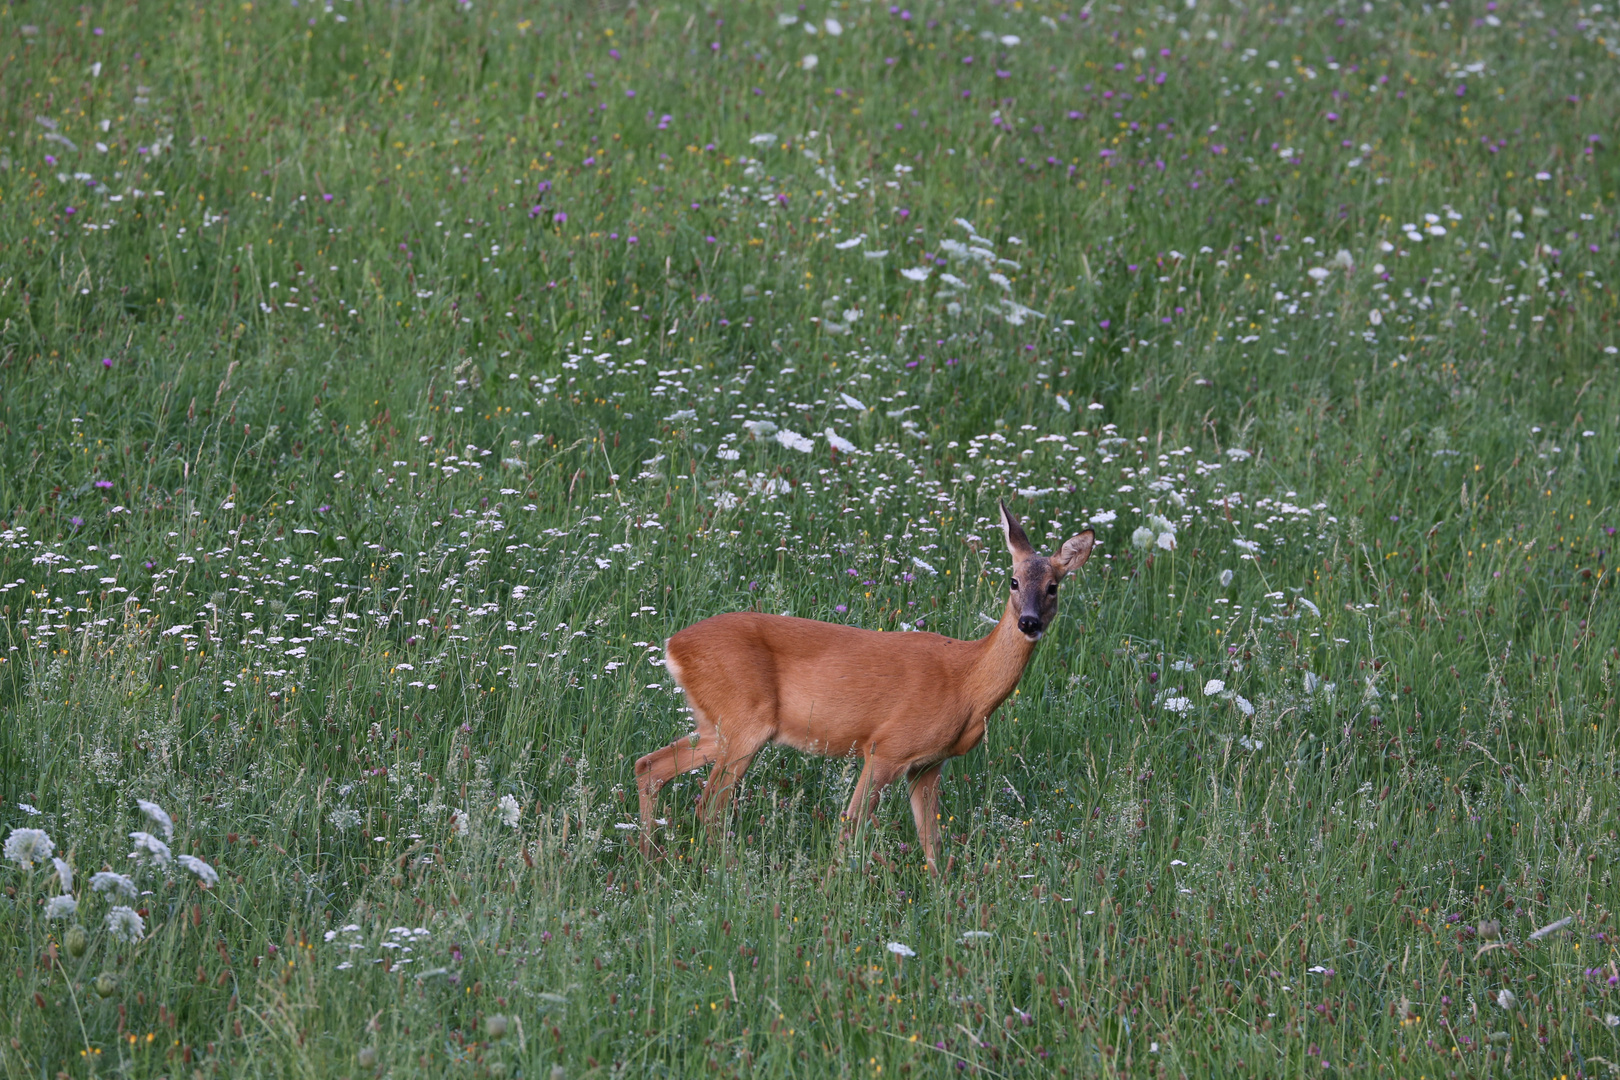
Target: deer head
(1035, 576)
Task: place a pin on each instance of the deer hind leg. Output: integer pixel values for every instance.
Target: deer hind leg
(925, 812)
(875, 776)
(661, 766)
(734, 757)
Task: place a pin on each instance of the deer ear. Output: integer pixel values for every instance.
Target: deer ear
(1074, 553)
(1017, 543)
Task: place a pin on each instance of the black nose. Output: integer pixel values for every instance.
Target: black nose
(1029, 625)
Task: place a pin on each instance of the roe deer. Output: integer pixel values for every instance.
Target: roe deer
(904, 702)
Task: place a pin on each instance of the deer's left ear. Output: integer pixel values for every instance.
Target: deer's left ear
(1074, 553)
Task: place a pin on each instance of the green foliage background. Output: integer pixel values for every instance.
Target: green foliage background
(439, 481)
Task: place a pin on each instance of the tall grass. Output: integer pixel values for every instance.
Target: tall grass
(1305, 310)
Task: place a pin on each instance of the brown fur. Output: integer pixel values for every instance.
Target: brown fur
(903, 702)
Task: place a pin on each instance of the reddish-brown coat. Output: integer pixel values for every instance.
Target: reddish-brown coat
(824, 688)
(905, 702)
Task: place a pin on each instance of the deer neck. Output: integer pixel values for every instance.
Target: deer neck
(1003, 654)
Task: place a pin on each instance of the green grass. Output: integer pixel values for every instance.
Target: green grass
(328, 573)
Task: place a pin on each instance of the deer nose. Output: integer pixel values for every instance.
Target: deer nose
(1029, 624)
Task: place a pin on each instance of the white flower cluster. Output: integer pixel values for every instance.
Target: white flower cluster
(1159, 532)
(977, 259)
(29, 848)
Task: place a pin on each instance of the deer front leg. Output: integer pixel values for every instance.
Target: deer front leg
(875, 776)
(661, 766)
(925, 812)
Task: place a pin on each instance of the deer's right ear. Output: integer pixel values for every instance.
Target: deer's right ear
(1018, 544)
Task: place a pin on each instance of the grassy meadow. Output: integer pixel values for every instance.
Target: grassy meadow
(381, 383)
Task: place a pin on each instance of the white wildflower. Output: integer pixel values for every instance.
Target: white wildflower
(901, 950)
(1142, 537)
(510, 811)
(1178, 704)
(343, 818)
(149, 847)
(919, 564)
(764, 138)
(205, 873)
(853, 402)
(1103, 517)
(834, 27)
(64, 874)
(61, 907)
(1318, 273)
(108, 882)
(794, 441)
(1245, 706)
(839, 443)
(916, 273)
(809, 61)
(126, 924)
(460, 823)
(1167, 541)
(1226, 578)
(25, 847)
(1375, 317)
(1507, 999)
(159, 818)
(1213, 687)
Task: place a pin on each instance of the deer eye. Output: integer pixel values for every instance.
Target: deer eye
(1051, 590)
(1014, 584)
